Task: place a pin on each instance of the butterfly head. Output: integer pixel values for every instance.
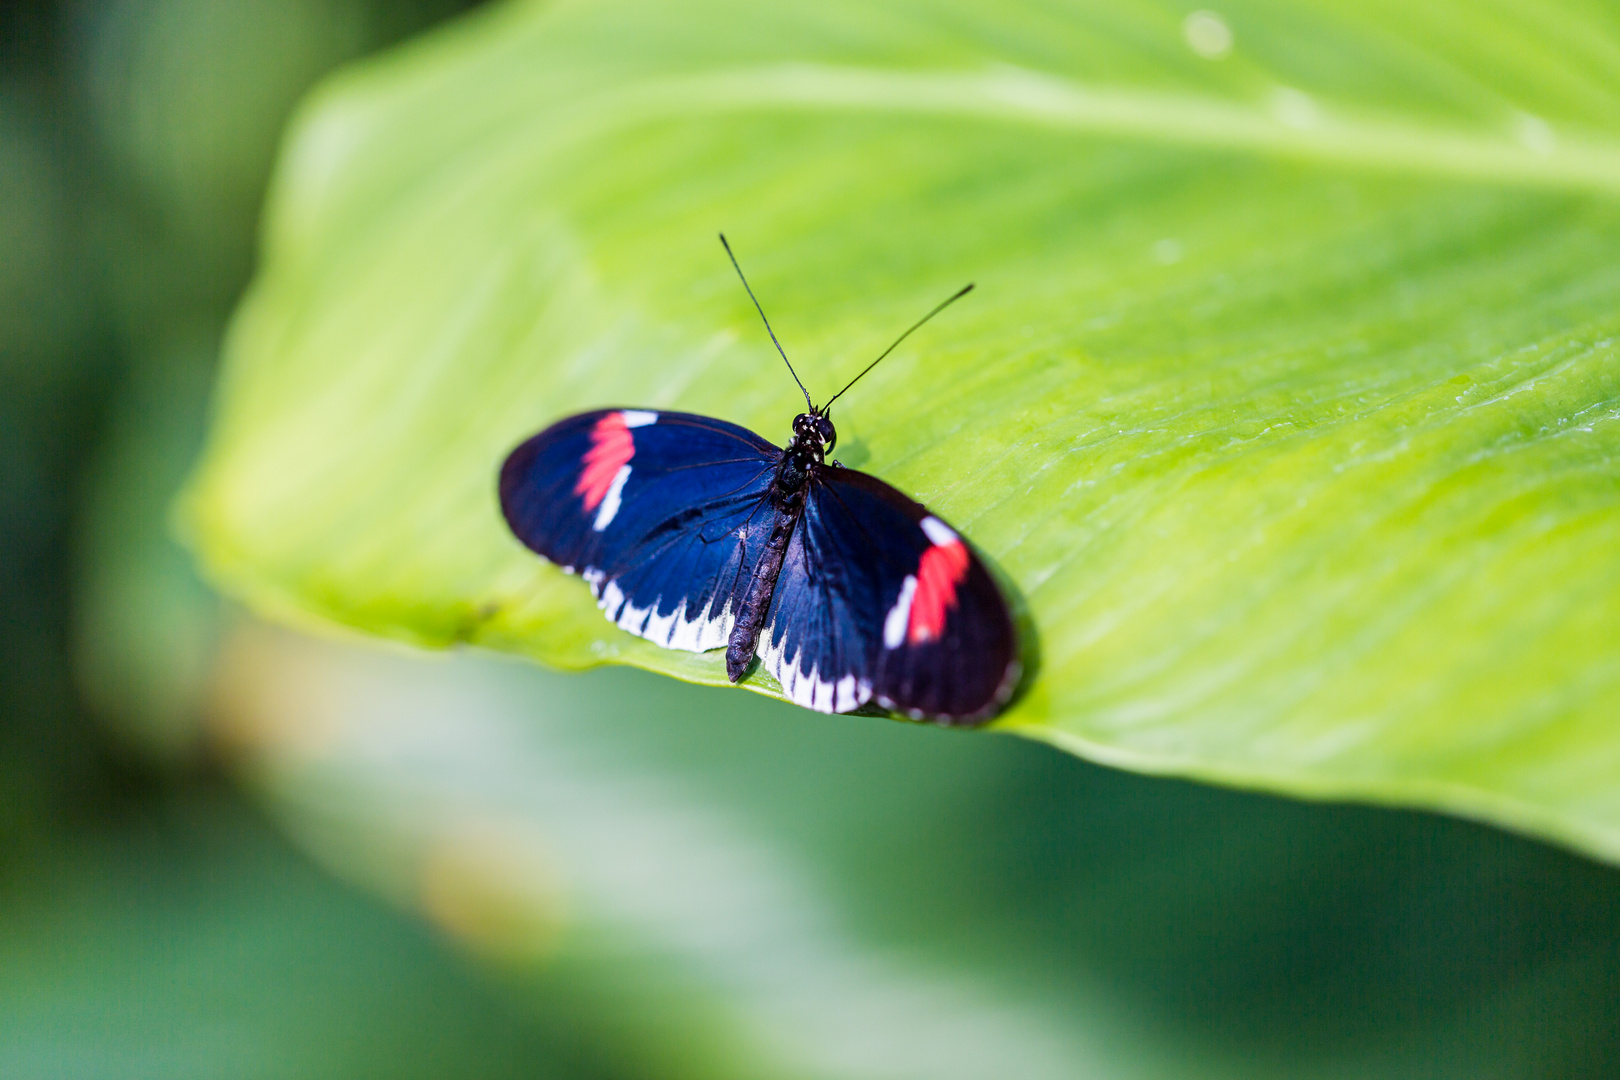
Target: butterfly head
(813, 439)
(815, 429)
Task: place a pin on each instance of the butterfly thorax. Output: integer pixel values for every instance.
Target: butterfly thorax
(813, 438)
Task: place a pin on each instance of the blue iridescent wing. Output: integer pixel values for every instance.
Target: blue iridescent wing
(663, 514)
(880, 600)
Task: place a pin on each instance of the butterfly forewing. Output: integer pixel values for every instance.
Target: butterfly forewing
(881, 600)
(663, 514)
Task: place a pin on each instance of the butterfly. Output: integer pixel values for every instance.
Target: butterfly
(698, 534)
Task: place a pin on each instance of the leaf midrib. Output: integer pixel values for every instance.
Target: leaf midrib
(1576, 161)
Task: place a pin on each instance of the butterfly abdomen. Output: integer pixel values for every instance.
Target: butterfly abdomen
(756, 599)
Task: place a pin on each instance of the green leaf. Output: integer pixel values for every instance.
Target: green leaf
(1287, 404)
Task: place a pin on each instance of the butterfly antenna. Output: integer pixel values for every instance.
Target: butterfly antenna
(767, 323)
(963, 291)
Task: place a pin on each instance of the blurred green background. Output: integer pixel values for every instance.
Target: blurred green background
(229, 851)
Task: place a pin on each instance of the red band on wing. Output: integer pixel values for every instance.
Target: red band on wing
(611, 450)
(943, 566)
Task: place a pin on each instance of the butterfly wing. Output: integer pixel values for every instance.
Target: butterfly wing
(663, 514)
(880, 599)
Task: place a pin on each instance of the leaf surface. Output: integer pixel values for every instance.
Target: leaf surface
(1288, 404)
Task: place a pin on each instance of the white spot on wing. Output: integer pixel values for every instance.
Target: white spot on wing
(938, 532)
(894, 625)
(610, 503)
(638, 417)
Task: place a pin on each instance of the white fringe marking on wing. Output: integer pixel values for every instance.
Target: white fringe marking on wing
(661, 627)
(709, 630)
(612, 601)
(634, 619)
(808, 688)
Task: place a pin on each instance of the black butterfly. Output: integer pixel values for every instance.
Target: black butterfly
(696, 534)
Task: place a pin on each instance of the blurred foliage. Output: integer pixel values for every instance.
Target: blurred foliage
(1289, 399)
(154, 927)
(188, 941)
(609, 875)
(135, 137)
(838, 898)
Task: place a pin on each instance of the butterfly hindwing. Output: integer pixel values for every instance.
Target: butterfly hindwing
(880, 599)
(662, 513)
